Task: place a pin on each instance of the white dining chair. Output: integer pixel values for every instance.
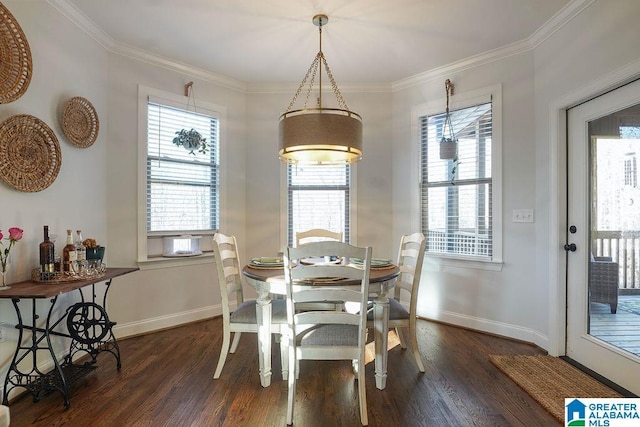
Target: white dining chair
(243, 318)
(326, 334)
(402, 307)
(317, 235)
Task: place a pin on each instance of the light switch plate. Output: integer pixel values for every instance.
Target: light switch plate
(523, 215)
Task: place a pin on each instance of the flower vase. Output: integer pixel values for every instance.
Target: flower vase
(3, 277)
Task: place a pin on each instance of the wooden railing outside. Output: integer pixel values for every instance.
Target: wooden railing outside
(459, 243)
(624, 248)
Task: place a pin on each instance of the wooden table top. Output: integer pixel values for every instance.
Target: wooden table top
(30, 289)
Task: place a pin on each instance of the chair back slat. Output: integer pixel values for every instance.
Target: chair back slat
(317, 235)
(227, 262)
(410, 260)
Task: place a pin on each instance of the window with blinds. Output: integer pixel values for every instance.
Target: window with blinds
(182, 188)
(456, 208)
(317, 197)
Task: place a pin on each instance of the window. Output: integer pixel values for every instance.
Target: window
(181, 190)
(457, 207)
(630, 170)
(318, 197)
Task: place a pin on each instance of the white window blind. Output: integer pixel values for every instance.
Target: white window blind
(182, 188)
(318, 197)
(456, 209)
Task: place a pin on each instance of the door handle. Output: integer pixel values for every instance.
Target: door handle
(570, 247)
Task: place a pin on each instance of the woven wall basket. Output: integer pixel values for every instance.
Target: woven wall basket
(30, 156)
(80, 122)
(15, 58)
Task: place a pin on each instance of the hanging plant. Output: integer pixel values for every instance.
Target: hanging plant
(191, 140)
(448, 148)
(449, 142)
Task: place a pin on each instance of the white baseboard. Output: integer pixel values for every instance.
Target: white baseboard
(163, 322)
(490, 326)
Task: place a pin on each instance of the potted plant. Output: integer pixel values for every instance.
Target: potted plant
(94, 250)
(191, 140)
(448, 148)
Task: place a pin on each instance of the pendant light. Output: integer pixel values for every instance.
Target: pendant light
(319, 135)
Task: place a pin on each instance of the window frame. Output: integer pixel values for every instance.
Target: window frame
(349, 237)
(150, 242)
(491, 94)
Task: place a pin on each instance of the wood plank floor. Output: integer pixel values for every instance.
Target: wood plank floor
(167, 380)
(621, 329)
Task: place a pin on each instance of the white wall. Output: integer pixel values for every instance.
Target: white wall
(597, 50)
(163, 294)
(475, 297)
(66, 63)
(96, 190)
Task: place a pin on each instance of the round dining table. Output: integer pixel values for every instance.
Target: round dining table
(270, 281)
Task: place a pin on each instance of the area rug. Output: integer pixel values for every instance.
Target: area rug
(632, 305)
(549, 380)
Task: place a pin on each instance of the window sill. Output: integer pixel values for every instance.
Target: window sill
(169, 262)
(463, 262)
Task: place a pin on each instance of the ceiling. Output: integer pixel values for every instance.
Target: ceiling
(274, 41)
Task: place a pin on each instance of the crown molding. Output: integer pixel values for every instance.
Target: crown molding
(103, 39)
(560, 19)
(566, 14)
(464, 64)
(84, 23)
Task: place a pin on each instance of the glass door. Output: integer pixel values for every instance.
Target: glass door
(603, 240)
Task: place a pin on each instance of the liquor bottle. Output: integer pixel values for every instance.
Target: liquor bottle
(69, 254)
(47, 257)
(81, 253)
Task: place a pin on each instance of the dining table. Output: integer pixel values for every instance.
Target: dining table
(269, 282)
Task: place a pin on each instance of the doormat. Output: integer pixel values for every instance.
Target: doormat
(549, 380)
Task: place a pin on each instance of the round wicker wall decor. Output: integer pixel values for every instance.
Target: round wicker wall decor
(15, 58)
(80, 122)
(30, 156)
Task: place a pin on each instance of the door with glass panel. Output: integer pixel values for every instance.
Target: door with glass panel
(603, 236)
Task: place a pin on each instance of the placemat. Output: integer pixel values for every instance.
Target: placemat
(80, 122)
(16, 67)
(30, 156)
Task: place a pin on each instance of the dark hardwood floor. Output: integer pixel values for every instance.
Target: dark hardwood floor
(167, 380)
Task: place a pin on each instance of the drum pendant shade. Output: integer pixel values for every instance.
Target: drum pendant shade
(320, 136)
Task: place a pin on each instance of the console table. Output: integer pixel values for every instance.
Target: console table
(87, 324)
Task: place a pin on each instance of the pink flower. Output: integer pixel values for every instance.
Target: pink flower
(15, 234)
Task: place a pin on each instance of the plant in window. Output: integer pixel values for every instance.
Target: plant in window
(191, 140)
(449, 142)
